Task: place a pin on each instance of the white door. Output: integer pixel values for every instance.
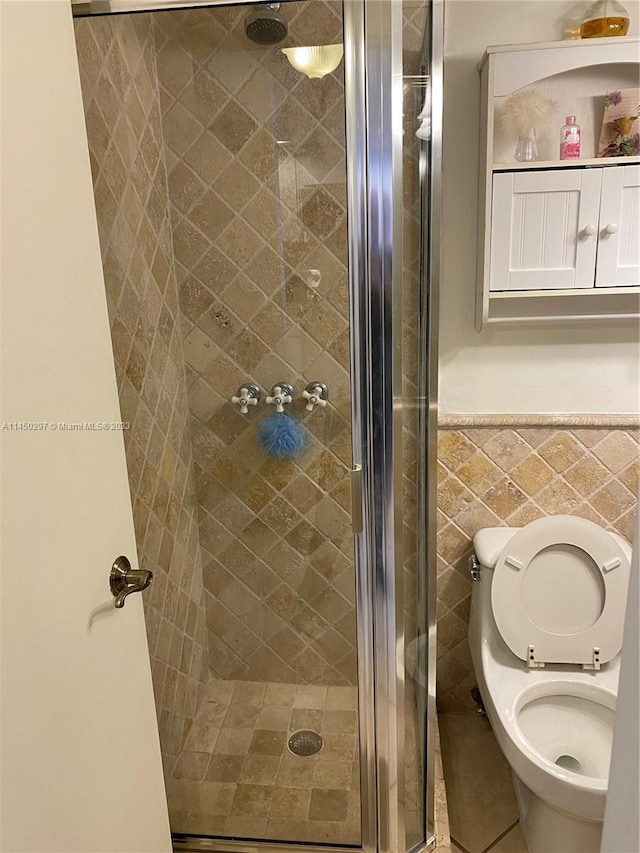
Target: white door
(618, 243)
(544, 229)
(80, 758)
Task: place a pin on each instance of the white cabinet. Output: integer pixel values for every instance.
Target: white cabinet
(558, 240)
(619, 228)
(565, 229)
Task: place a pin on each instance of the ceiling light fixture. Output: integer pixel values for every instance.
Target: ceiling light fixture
(316, 61)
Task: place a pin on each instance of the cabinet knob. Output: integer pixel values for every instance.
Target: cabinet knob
(610, 228)
(588, 231)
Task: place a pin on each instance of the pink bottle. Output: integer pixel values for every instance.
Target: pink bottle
(570, 140)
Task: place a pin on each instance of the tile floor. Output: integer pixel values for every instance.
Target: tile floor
(236, 776)
(441, 810)
(483, 815)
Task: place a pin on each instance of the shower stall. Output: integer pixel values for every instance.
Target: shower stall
(268, 222)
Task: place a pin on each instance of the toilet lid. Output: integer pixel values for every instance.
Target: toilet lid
(559, 592)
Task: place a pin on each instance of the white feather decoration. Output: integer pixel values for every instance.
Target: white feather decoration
(526, 110)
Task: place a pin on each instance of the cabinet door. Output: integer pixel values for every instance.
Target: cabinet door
(544, 229)
(618, 250)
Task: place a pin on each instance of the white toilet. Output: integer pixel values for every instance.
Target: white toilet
(547, 615)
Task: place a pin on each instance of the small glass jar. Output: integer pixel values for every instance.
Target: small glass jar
(604, 18)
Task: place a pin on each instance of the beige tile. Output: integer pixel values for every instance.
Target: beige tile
(207, 156)
(252, 800)
(225, 768)
(453, 542)
(310, 696)
(453, 496)
(339, 746)
(558, 498)
(332, 774)
(512, 842)
(249, 826)
(260, 770)
(290, 803)
(296, 772)
(274, 718)
(630, 477)
(479, 473)
(233, 741)
(454, 449)
(587, 475)
(306, 718)
(342, 698)
(532, 475)
(233, 126)
(328, 805)
(612, 501)
(504, 498)
(280, 694)
(561, 451)
(215, 798)
(617, 451)
(479, 790)
(201, 824)
(286, 829)
(339, 721)
(241, 715)
(264, 742)
(201, 738)
(192, 765)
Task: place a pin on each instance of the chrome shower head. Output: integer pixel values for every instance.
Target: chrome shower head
(265, 25)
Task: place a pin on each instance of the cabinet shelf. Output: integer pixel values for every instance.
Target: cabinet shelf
(565, 164)
(544, 306)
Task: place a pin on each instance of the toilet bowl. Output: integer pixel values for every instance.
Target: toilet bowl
(547, 617)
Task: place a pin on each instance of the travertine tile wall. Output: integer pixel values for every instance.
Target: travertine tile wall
(255, 154)
(496, 477)
(117, 63)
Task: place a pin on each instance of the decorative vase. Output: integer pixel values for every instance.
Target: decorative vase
(603, 19)
(526, 149)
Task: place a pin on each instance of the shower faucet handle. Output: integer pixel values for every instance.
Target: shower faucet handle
(248, 395)
(281, 396)
(317, 394)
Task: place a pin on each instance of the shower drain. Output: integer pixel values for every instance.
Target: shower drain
(305, 743)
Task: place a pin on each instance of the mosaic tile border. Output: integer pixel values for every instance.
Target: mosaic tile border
(452, 420)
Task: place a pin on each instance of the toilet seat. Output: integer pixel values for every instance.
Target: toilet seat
(559, 592)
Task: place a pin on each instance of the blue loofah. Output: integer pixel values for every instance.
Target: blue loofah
(282, 437)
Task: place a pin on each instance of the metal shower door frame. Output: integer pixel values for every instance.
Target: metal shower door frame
(374, 95)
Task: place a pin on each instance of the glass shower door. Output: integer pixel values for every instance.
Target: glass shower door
(256, 178)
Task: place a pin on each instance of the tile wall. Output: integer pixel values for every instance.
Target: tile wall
(256, 170)
(497, 477)
(117, 64)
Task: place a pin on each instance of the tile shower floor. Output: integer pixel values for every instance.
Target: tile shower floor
(237, 777)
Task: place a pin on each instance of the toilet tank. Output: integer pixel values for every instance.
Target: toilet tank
(488, 544)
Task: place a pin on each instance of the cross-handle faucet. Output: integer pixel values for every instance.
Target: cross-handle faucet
(317, 394)
(281, 396)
